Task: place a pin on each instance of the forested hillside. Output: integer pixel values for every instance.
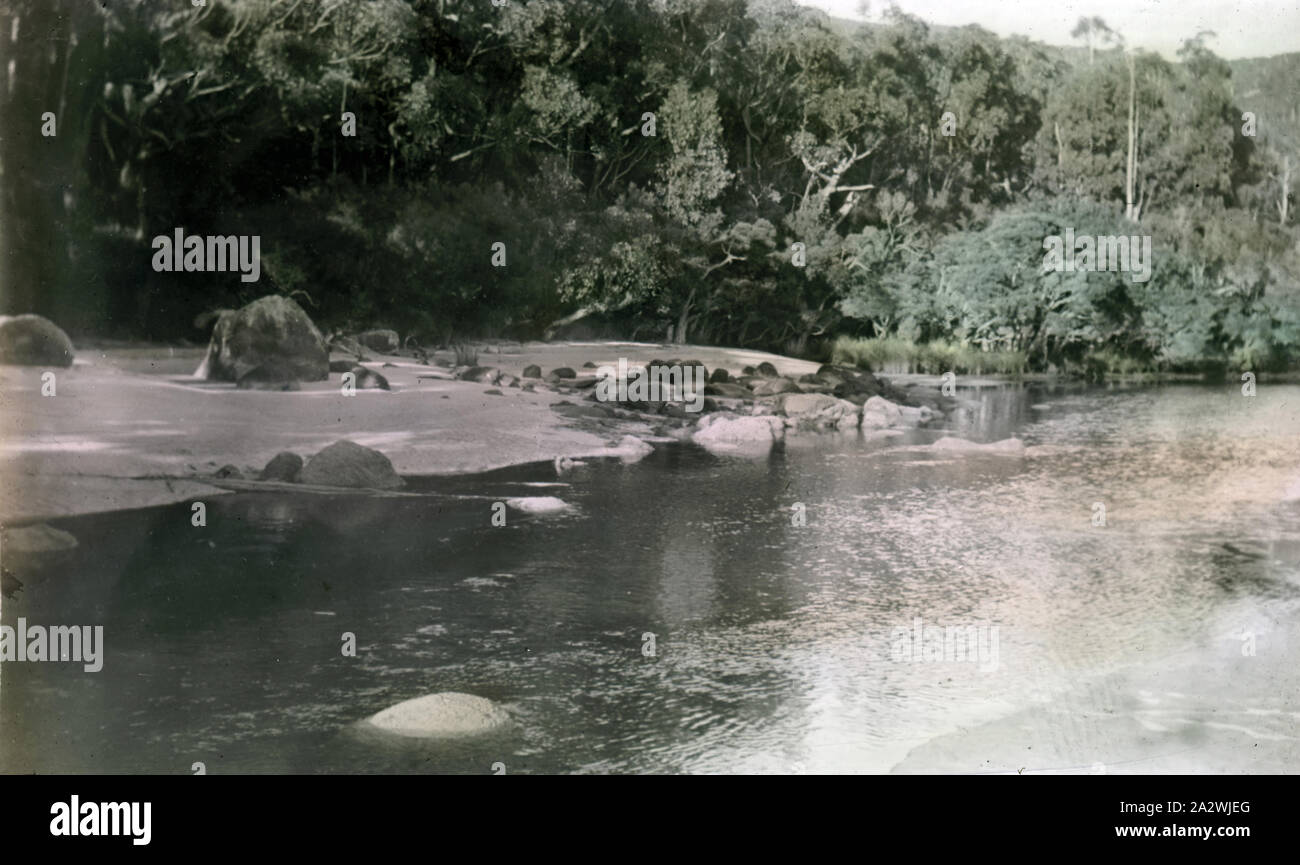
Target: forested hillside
(650, 166)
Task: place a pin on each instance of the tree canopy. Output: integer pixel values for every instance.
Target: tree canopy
(728, 172)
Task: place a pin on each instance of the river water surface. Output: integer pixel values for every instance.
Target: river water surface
(1163, 640)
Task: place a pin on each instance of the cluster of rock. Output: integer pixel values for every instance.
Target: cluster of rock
(754, 408)
(342, 464)
(561, 378)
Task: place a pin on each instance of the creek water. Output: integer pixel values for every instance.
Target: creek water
(1160, 641)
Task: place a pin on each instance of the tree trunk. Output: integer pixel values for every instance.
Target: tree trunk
(1131, 164)
(30, 251)
(684, 318)
(568, 319)
(1284, 204)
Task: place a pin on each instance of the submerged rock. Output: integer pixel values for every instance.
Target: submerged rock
(40, 538)
(538, 504)
(10, 585)
(348, 464)
(438, 716)
(269, 341)
(1011, 446)
(284, 466)
(33, 340)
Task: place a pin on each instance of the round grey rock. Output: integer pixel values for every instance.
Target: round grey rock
(348, 464)
(33, 340)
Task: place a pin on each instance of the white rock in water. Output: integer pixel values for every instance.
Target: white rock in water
(1006, 446)
(538, 504)
(880, 413)
(38, 539)
(755, 433)
(631, 449)
(438, 716)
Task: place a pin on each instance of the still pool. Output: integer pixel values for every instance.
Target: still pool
(702, 614)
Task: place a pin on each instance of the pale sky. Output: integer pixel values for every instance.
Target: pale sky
(1245, 28)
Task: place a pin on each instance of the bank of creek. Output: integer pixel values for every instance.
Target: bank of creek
(1162, 641)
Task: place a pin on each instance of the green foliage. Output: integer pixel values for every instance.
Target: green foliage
(897, 355)
(523, 125)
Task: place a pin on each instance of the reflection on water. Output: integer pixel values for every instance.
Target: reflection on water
(775, 643)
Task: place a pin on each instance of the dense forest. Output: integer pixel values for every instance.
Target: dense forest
(712, 171)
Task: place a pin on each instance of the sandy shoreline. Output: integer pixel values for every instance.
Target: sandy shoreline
(129, 427)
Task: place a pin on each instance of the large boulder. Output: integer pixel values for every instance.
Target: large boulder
(819, 411)
(880, 413)
(33, 340)
(268, 376)
(728, 433)
(382, 341)
(441, 716)
(270, 340)
(348, 464)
